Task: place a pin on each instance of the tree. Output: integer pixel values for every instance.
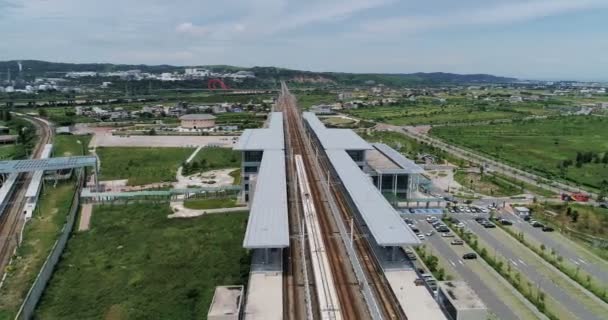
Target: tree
(574, 216)
(42, 112)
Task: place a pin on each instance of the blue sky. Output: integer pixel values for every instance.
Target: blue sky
(532, 39)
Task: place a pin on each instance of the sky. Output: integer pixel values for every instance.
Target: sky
(526, 39)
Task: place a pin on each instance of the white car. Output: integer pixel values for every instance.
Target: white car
(421, 236)
(430, 233)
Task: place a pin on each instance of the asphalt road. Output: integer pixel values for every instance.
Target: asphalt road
(596, 271)
(491, 300)
(536, 277)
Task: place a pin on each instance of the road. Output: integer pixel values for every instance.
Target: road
(490, 164)
(526, 267)
(492, 301)
(597, 269)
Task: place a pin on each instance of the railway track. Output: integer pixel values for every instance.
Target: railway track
(12, 220)
(391, 308)
(351, 301)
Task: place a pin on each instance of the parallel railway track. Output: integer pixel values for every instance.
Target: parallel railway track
(12, 218)
(348, 291)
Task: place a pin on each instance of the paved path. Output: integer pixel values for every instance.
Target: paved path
(85, 217)
(182, 212)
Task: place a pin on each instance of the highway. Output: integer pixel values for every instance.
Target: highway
(490, 164)
(492, 301)
(598, 268)
(526, 267)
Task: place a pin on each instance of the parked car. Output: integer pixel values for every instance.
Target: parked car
(457, 242)
(430, 233)
(548, 229)
(527, 218)
(443, 229)
(489, 225)
(537, 224)
(470, 255)
(506, 222)
(447, 235)
(421, 236)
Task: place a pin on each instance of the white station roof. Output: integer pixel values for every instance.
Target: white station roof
(383, 221)
(268, 225)
(270, 138)
(406, 164)
(343, 139)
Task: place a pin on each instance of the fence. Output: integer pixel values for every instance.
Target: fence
(33, 296)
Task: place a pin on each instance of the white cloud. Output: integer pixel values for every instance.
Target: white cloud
(191, 29)
(502, 13)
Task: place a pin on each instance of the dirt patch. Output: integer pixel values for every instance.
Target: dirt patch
(85, 217)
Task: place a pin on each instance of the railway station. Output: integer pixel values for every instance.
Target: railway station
(264, 187)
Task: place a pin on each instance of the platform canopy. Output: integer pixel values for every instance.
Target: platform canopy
(268, 226)
(270, 138)
(343, 139)
(51, 164)
(383, 221)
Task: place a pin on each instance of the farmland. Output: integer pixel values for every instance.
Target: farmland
(134, 263)
(455, 110)
(571, 148)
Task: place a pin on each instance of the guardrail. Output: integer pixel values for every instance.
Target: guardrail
(30, 302)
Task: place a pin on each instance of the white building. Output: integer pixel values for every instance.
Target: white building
(460, 302)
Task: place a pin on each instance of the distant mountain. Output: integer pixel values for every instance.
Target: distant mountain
(34, 68)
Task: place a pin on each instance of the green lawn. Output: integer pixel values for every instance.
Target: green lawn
(487, 184)
(7, 152)
(236, 174)
(541, 145)
(212, 203)
(67, 145)
(141, 165)
(134, 263)
(39, 236)
(213, 158)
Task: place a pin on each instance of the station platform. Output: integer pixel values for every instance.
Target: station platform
(265, 289)
(415, 299)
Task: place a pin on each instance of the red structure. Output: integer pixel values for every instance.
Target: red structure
(215, 84)
(580, 197)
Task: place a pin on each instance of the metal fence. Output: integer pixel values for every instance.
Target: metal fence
(33, 296)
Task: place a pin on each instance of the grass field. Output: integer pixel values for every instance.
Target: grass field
(134, 263)
(7, 152)
(540, 145)
(236, 174)
(487, 184)
(309, 99)
(67, 145)
(141, 165)
(39, 236)
(426, 111)
(213, 158)
(213, 203)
